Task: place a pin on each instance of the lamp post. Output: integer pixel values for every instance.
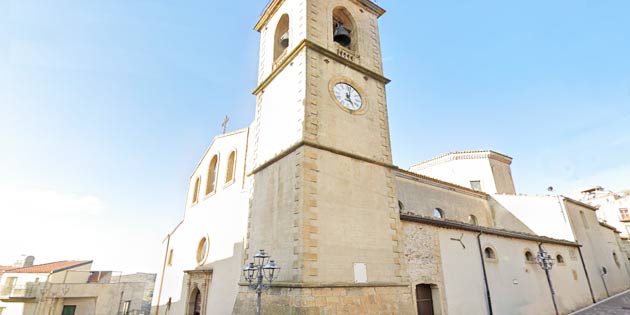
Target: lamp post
(256, 272)
(546, 262)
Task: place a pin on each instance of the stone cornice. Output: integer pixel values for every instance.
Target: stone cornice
(308, 44)
(464, 155)
(484, 230)
(299, 144)
(439, 183)
(274, 5)
(579, 203)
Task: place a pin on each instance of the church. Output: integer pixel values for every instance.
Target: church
(311, 181)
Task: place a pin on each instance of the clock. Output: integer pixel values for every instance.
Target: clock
(347, 96)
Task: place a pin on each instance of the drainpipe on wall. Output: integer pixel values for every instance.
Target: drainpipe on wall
(485, 275)
(168, 244)
(588, 279)
(604, 273)
(553, 292)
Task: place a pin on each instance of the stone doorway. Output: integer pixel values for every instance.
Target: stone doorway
(424, 299)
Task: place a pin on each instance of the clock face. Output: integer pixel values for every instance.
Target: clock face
(348, 96)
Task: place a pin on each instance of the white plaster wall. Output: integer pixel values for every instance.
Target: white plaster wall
(609, 213)
(495, 176)
(544, 215)
(297, 32)
(531, 293)
(461, 172)
(12, 308)
(220, 216)
(280, 112)
(435, 256)
(597, 251)
(463, 274)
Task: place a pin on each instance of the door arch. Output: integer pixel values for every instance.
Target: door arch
(194, 303)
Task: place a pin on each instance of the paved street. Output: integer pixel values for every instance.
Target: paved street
(619, 305)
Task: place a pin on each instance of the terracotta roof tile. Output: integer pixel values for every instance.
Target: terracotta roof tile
(3, 269)
(51, 267)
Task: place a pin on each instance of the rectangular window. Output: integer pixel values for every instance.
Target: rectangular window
(624, 215)
(475, 184)
(125, 310)
(9, 283)
(170, 257)
(68, 309)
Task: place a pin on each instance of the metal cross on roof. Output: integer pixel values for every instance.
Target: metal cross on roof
(225, 122)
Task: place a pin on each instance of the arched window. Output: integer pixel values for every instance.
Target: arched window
(229, 176)
(195, 197)
(212, 175)
(489, 253)
(529, 257)
(559, 259)
(472, 220)
(438, 213)
(281, 38)
(401, 206)
(343, 28)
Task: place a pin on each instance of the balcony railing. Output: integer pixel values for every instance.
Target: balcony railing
(21, 291)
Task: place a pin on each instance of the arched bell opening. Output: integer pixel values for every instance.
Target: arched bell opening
(281, 38)
(344, 32)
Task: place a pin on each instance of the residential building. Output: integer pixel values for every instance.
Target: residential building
(72, 288)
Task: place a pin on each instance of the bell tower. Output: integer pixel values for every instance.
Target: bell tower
(323, 202)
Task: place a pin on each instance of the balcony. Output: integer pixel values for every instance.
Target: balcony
(29, 291)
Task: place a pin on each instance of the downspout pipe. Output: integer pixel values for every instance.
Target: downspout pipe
(485, 275)
(588, 279)
(553, 292)
(168, 244)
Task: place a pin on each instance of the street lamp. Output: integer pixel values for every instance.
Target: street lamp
(256, 272)
(545, 260)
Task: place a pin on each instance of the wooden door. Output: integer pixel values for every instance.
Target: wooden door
(197, 309)
(68, 309)
(424, 299)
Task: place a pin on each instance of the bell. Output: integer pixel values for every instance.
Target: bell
(284, 40)
(342, 36)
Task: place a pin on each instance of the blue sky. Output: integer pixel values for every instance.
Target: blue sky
(106, 106)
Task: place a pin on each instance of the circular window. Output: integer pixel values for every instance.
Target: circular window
(202, 250)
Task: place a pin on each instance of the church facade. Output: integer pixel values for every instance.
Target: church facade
(312, 182)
